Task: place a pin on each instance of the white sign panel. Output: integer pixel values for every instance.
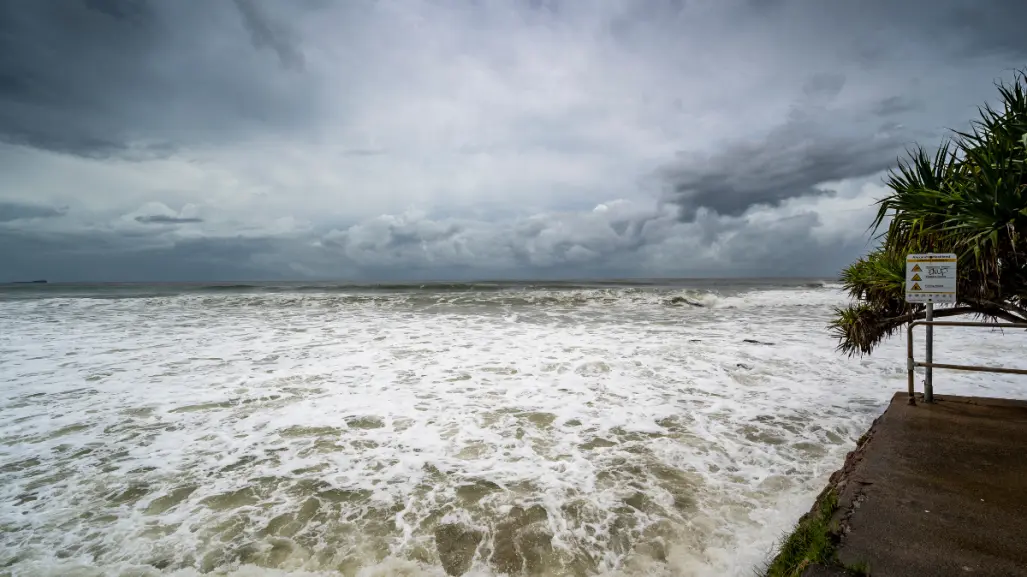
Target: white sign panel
(931, 278)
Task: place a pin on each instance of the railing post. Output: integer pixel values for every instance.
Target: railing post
(929, 364)
(929, 357)
(910, 375)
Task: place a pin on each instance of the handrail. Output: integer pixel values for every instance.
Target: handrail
(911, 364)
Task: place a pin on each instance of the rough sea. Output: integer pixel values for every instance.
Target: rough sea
(664, 428)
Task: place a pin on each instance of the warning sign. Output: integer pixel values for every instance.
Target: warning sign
(931, 278)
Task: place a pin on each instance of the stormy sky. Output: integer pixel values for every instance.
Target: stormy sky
(434, 139)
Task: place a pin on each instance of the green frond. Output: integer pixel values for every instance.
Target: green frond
(968, 196)
(860, 328)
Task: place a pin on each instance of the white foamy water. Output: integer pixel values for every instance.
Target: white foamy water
(541, 432)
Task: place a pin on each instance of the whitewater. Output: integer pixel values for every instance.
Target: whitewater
(613, 429)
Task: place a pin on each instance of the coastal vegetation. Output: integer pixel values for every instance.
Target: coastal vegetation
(968, 197)
(810, 542)
(814, 541)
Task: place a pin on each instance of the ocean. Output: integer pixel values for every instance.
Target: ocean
(593, 428)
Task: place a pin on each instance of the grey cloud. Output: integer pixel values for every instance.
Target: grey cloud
(102, 257)
(120, 9)
(401, 240)
(98, 78)
(838, 129)
(963, 29)
(987, 27)
(11, 211)
(617, 241)
(824, 86)
(621, 240)
(264, 32)
(896, 105)
(267, 107)
(791, 161)
(365, 152)
(165, 219)
(770, 249)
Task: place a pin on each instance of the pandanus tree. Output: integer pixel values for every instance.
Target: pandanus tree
(969, 198)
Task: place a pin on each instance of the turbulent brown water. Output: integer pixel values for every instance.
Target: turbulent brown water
(608, 429)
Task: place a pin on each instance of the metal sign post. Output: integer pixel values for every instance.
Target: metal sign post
(930, 278)
(929, 357)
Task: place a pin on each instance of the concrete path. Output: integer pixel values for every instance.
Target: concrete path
(941, 490)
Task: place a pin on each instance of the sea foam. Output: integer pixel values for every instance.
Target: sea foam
(610, 431)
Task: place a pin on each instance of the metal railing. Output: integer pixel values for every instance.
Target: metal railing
(929, 363)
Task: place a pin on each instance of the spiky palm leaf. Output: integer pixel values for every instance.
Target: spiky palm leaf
(968, 197)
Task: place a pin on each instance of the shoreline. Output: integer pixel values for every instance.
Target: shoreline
(812, 544)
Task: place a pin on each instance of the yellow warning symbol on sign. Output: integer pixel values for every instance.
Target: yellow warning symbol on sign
(916, 287)
(916, 268)
(917, 277)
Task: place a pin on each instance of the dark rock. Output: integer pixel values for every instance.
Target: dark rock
(755, 342)
(743, 366)
(684, 301)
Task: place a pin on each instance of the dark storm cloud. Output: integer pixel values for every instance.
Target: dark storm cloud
(791, 161)
(875, 28)
(165, 219)
(11, 211)
(815, 145)
(98, 78)
(99, 257)
(978, 28)
(510, 124)
(266, 33)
